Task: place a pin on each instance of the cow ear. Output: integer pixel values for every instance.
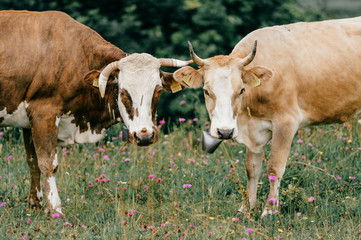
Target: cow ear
(168, 82)
(92, 78)
(189, 77)
(256, 76)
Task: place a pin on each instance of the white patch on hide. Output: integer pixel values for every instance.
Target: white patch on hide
(18, 118)
(55, 161)
(57, 120)
(69, 133)
(53, 196)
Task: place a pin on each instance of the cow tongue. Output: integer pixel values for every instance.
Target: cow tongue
(209, 143)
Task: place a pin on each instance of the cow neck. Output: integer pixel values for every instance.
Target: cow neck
(101, 53)
(106, 111)
(109, 106)
(254, 104)
(88, 108)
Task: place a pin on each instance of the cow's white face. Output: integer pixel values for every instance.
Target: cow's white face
(140, 83)
(140, 86)
(225, 83)
(222, 92)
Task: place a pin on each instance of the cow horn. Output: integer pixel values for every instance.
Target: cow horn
(171, 62)
(247, 60)
(197, 60)
(104, 75)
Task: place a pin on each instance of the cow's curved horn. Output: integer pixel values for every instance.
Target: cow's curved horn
(104, 75)
(171, 62)
(197, 60)
(247, 60)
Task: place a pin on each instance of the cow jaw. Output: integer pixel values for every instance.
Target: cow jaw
(138, 84)
(219, 102)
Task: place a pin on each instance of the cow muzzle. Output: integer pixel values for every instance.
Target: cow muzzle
(144, 138)
(225, 133)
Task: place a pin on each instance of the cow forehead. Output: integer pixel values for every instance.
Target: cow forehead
(138, 62)
(221, 61)
(139, 72)
(223, 74)
(221, 79)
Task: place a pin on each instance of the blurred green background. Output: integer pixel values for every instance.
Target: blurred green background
(162, 28)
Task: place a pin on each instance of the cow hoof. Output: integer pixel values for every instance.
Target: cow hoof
(61, 220)
(245, 211)
(36, 207)
(266, 212)
(242, 212)
(54, 214)
(245, 214)
(34, 203)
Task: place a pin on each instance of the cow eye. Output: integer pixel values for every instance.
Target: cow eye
(206, 92)
(159, 91)
(242, 91)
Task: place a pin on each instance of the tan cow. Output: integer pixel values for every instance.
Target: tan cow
(303, 74)
(63, 83)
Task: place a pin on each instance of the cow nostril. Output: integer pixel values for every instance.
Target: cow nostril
(231, 133)
(144, 139)
(225, 133)
(136, 138)
(219, 133)
(151, 137)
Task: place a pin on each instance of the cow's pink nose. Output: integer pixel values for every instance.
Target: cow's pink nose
(225, 133)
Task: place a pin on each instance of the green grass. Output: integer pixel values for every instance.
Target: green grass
(203, 211)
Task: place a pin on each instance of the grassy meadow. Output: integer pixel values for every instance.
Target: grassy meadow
(172, 190)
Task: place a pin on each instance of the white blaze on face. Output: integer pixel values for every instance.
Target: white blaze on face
(18, 118)
(53, 196)
(222, 114)
(139, 75)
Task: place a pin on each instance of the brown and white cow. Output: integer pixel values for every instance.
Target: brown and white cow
(302, 74)
(49, 70)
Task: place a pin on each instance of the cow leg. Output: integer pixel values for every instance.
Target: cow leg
(253, 168)
(35, 197)
(282, 136)
(45, 135)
